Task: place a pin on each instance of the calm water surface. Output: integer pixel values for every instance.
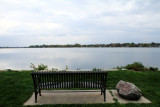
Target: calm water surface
(82, 58)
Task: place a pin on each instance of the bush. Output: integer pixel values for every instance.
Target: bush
(66, 67)
(136, 66)
(40, 67)
(119, 68)
(153, 69)
(96, 69)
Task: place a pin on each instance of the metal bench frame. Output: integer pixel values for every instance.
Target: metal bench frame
(69, 79)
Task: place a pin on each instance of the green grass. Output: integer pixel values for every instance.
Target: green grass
(17, 87)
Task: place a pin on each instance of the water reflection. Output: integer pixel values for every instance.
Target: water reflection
(82, 58)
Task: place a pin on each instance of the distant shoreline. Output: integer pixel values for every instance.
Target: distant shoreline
(127, 45)
(72, 47)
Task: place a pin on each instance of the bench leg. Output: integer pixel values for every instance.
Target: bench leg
(101, 91)
(39, 92)
(104, 95)
(35, 97)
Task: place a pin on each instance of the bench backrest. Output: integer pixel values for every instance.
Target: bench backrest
(83, 79)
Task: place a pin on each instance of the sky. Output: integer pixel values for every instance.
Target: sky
(37, 22)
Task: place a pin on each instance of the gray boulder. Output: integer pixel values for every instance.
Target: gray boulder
(128, 90)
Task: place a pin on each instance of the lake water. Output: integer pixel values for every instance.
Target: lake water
(81, 58)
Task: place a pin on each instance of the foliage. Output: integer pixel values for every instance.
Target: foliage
(152, 44)
(136, 66)
(153, 68)
(33, 66)
(78, 69)
(40, 67)
(96, 69)
(66, 67)
(119, 68)
(54, 69)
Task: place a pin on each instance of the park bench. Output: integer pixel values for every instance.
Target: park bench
(66, 80)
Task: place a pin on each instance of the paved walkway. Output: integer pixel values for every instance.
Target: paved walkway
(79, 97)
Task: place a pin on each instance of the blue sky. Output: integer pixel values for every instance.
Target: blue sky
(31, 22)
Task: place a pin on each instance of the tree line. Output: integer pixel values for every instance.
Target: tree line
(152, 44)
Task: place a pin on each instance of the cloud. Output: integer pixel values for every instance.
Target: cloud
(85, 21)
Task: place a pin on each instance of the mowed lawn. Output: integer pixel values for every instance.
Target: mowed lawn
(17, 87)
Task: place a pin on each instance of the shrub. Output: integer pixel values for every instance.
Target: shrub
(40, 67)
(66, 67)
(137, 66)
(119, 68)
(33, 66)
(96, 69)
(146, 69)
(54, 69)
(153, 69)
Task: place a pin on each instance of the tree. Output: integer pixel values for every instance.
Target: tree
(77, 45)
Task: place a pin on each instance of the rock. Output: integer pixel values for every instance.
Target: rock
(128, 90)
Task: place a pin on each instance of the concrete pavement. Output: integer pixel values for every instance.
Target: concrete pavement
(78, 97)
